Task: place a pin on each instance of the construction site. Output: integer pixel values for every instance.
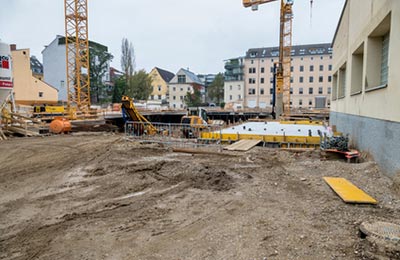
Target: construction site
(82, 182)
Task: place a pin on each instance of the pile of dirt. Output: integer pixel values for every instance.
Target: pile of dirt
(206, 178)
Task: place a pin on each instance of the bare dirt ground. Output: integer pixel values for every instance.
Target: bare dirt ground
(101, 197)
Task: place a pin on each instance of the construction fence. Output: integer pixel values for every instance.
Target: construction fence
(175, 135)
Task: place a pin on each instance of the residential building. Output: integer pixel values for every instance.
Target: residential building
(311, 76)
(54, 65)
(37, 68)
(366, 79)
(29, 90)
(234, 86)
(160, 79)
(207, 79)
(182, 83)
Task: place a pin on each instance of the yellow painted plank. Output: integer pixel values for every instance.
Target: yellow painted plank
(348, 191)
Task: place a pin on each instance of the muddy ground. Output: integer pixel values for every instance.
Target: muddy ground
(102, 197)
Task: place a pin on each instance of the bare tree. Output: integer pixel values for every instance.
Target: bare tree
(128, 60)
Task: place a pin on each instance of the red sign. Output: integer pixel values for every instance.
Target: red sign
(6, 84)
(4, 62)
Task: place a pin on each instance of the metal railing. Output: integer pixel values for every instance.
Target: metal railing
(175, 135)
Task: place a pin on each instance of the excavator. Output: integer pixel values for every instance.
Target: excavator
(130, 112)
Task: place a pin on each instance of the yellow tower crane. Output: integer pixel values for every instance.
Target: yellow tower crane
(283, 73)
(77, 55)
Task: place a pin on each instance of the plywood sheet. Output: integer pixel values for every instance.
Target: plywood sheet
(243, 145)
(348, 191)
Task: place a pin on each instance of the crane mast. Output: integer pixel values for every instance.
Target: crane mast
(283, 74)
(77, 55)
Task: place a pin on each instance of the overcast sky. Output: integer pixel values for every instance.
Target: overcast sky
(195, 34)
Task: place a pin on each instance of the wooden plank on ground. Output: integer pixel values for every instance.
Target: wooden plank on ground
(243, 145)
(348, 191)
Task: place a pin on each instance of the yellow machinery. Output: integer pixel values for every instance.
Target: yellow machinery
(130, 110)
(49, 109)
(283, 73)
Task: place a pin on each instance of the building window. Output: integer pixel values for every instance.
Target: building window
(357, 70)
(252, 91)
(159, 97)
(321, 67)
(174, 89)
(262, 80)
(272, 69)
(181, 89)
(329, 90)
(261, 91)
(310, 91)
(188, 88)
(262, 70)
(322, 57)
(300, 102)
(291, 90)
(301, 68)
(152, 97)
(312, 58)
(230, 87)
(334, 86)
(181, 79)
(181, 105)
(271, 91)
(329, 78)
(239, 97)
(159, 88)
(181, 97)
(40, 94)
(330, 67)
(301, 79)
(252, 70)
(291, 79)
(174, 106)
(310, 102)
(174, 97)
(239, 87)
(300, 91)
(377, 55)
(311, 79)
(329, 102)
(252, 81)
(291, 69)
(321, 79)
(252, 61)
(342, 82)
(311, 67)
(320, 90)
(62, 83)
(230, 97)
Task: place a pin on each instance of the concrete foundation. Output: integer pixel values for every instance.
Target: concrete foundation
(380, 138)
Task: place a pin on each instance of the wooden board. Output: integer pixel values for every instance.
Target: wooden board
(348, 191)
(243, 145)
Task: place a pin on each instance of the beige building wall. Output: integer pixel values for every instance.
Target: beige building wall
(233, 91)
(357, 60)
(29, 90)
(160, 87)
(306, 85)
(366, 80)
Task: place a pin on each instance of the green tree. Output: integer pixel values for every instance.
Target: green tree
(140, 85)
(193, 99)
(119, 89)
(216, 88)
(128, 60)
(99, 59)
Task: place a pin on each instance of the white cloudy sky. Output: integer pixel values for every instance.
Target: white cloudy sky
(195, 34)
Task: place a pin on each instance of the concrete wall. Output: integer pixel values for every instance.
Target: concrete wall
(378, 137)
(29, 90)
